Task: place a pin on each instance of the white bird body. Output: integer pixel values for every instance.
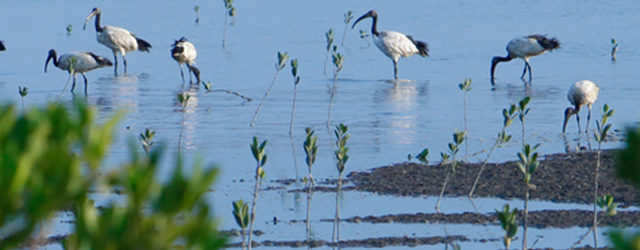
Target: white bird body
(394, 44)
(85, 62)
(185, 53)
(117, 39)
(524, 48)
(581, 93)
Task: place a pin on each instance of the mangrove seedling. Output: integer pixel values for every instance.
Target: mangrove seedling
(241, 214)
(363, 36)
(454, 148)
(183, 98)
(342, 157)
(347, 19)
(614, 49)
(296, 81)
(600, 135)
(507, 220)
(338, 59)
(69, 29)
(261, 159)
(465, 86)
(527, 163)
(508, 116)
(146, 139)
(197, 9)
(230, 11)
(329, 38)
(606, 203)
(282, 62)
(523, 110)
(23, 91)
(310, 149)
(422, 156)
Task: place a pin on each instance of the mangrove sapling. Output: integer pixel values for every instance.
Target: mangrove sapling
(197, 9)
(310, 149)
(454, 148)
(600, 135)
(342, 157)
(296, 81)
(338, 59)
(329, 38)
(183, 98)
(146, 139)
(363, 36)
(614, 49)
(507, 220)
(23, 91)
(465, 86)
(527, 163)
(241, 214)
(347, 19)
(610, 208)
(208, 86)
(261, 158)
(230, 11)
(522, 113)
(422, 156)
(282, 62)
(69, 29)
(508, 116)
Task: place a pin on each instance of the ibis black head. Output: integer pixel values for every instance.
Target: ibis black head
(52, 55)
(94, 12)
(372, 13)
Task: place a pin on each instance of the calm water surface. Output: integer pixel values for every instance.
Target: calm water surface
(386, 121)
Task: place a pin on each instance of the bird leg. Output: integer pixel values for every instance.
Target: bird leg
(529, 66)
(74, 83)
(524, 71)
(115, 64)
(578, 120)
(85, 83)
(181, 72)
(588, 120)
(395, 69)
(125, 63)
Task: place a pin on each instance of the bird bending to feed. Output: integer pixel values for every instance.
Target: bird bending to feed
(523, 48)
(117, 39)
(85, 62)
(2, 47)
(394, 44)
(184, 52)
(582, 93)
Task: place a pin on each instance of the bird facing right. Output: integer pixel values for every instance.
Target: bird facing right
(582, 93)
(184, 52)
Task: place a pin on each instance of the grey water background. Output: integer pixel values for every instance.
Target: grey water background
(386, 121)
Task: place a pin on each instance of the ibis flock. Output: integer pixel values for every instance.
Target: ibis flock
(393, 44)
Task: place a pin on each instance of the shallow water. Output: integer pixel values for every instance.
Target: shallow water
(386, 121)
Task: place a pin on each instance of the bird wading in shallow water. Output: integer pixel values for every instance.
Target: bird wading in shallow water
(523, 48)
(582, 93)
(119, 40)
(394, 44)
(85, 62)
(184, 52)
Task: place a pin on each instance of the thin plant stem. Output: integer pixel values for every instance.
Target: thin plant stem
(263, 98)
(446, 180)
(253, 208)
(595, 197)
(336, 223)
(484, 165)
(308, 223)
(525, 219)
(466, 127)
(333, 94)
(224, 32)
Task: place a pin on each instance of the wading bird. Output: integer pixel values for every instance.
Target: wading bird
(117, 39)
(582, 93)
(184, 52)
(2, 47)
(84, 62)
(394, 44)
(523, 48)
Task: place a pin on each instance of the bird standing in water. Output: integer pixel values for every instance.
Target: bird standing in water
(394, 44)
(524, 48)
(84, 62)
(184, 52)
(582, 93)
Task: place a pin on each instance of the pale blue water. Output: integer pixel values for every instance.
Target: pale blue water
(386, 122)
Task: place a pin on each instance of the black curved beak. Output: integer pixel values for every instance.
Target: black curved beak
(369, 14)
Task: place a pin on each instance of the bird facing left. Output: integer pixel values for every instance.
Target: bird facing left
(84, 62)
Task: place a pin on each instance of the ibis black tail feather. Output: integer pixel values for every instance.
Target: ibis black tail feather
(423, 48)
(143, 45)
(547, 43)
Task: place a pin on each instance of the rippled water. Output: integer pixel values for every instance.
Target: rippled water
(386, 121)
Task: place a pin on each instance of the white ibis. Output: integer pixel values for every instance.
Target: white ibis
(119, 40)
(523, 48)
(2, 47)
(582, 93)
(394, 44)
(184, 52)
(85, 62)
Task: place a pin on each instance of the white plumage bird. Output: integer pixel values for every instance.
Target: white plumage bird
(582, 93)
(117, 39)
(185, 53)
(85, 62)
(524, 48)
(394, 44)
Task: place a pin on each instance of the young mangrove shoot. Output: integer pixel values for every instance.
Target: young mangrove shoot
(600, 135)
(23, 91)
(614, 49)
(241, 214)
(183, 98)
(454, 148)
(261, 159)
(465, 86)
(507, 220)
(146, 139)
(347, 19)
(363, 36)
(310, 149)
(508, 116)
(280, 65)
(338, 59)
(342, 157)
(423, 156)
(230, 11)
(196, 8)
(69, 29)
(523, 110)
(527, 163)
(329, 37)
(296, 81)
